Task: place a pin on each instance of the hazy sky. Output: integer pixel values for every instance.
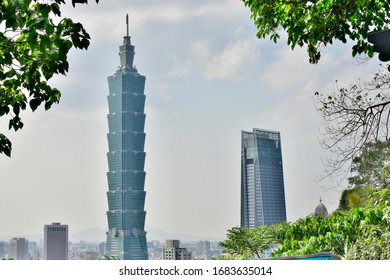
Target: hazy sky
(208, 78)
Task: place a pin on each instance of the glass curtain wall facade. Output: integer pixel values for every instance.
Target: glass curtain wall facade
(262, 184)
(126, 237)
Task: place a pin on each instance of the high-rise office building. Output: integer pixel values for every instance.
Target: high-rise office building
(203, 250)
(56, 245)
(262, 185)
(126, 237)
(2, 250)
(19, 248)
(102, 248)
(33, 250)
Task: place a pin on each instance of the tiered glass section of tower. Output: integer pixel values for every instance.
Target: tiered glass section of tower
(126, 237)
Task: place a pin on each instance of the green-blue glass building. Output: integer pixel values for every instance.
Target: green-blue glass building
(126, 237)
(262, 183)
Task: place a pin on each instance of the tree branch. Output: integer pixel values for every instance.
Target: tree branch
(352, 118)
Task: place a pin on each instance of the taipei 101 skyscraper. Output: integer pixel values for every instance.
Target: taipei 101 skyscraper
(126, 237)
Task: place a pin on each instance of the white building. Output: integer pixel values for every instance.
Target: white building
(172, 251)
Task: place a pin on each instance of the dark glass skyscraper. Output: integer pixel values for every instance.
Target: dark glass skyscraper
(262, 185)
(126, 237)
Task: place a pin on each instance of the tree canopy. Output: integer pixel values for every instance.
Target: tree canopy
(318, 23)
(358, 233)
(242, 243)
(34, 45)
(368, 168)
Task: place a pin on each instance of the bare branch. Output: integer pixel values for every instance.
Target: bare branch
(353, 117)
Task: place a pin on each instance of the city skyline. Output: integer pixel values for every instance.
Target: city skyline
(209, 77)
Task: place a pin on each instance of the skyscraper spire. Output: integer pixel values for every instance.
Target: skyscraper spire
(126, 51)
(127, 25)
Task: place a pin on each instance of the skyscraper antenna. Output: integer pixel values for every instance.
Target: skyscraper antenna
(127, 24)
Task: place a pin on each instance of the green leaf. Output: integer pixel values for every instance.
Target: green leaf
(316, 23)
(56, 9)
(34, 44)
(34, 103)
(5, 145)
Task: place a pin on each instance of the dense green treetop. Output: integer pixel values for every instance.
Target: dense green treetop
(34, 43)
(242, 243)
(368, 166)
(317, 23)
(354, 198)
(361, 232)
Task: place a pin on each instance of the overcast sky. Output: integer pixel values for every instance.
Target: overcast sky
(207, 78)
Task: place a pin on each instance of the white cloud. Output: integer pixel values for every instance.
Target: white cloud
(235, 61)
(288, 70)
(164, 89)
(180, 68)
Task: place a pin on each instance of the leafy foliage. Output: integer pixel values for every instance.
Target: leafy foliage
(386, 174)
(349, 234)
(33, 48)
(367, 167)
(358, 233)
(317, 23)
(244, 243)
(354, 198)
(81, 2)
